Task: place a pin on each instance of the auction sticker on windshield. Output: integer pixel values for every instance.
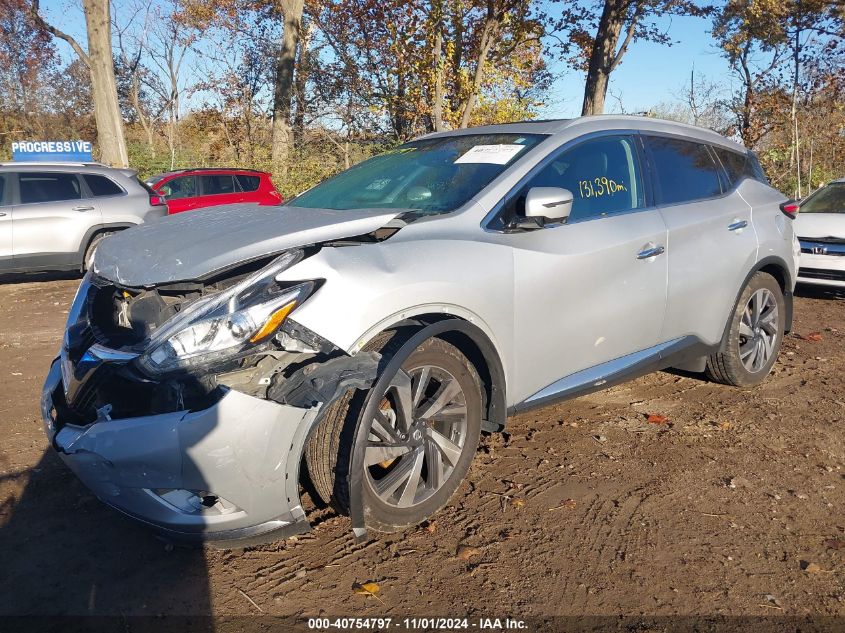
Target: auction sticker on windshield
(493, 154)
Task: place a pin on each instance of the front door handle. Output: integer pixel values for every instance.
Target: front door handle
(652, 251)
(2, 215)
(82, 209)
(737, 225)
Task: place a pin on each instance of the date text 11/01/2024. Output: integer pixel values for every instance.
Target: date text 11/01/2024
(598, 187)
(421, 623)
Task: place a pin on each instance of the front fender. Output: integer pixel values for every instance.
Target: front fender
(369, 288)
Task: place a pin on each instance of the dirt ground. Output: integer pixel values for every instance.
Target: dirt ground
(733, 505)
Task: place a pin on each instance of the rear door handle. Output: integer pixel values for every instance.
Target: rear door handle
(654, 251)
(737, 225)
(2, 215)
(82, 209)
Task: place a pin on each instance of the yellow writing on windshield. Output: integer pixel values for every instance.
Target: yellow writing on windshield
(598, 187)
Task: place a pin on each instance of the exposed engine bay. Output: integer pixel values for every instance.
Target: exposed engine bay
(292, 365)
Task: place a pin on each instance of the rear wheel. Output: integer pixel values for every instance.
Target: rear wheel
(420, 442)
(752, 343)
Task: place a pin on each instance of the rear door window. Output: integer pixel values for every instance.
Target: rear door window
(4, 190)
(602, 174)
(248, 183)
(217, 184)
(739, 165)
(685, 170)
(184, 187)
(101, 186)
(735, 164)
(48, 187)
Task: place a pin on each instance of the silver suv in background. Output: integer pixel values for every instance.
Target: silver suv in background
(374, 326)
(53, 215)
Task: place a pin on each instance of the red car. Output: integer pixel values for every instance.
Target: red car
(188, 189)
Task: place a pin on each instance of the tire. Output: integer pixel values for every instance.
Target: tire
(92, 247)
(754, 337)
(329, 450)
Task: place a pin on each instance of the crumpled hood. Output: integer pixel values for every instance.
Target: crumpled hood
(820, 225)
(195, 244)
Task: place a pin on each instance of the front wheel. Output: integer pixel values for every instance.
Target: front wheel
(419, 445)
(88, 260)
(753, 340)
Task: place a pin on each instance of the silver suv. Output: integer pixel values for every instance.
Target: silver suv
(379, 322)
(53, 215)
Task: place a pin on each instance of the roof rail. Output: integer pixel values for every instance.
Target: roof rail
(52, 163)
(179, 171)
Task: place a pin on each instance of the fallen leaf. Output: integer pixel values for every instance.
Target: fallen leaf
(569, 504)
(431, 528)
(739, 482)
(465, 552)
(724, 425)
(810, 568)
(812, 336)
(366, 589)
(774, 600)
(517, 503)
(835, 543)
(654, 418)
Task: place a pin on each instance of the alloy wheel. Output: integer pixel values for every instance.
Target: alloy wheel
(417, 436)
(758, 330)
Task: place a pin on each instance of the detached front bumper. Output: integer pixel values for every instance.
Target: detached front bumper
(228, 473)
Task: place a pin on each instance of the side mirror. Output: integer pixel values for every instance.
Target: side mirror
(550, 203)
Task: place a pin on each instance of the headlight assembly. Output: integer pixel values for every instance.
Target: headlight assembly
(228, 324)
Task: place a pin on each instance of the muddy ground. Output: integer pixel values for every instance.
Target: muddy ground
(733, 505)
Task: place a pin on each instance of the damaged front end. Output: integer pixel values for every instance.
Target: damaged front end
(188, 405)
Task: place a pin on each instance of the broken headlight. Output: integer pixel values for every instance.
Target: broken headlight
(227, 324)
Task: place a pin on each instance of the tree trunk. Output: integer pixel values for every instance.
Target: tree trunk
(100, 65)
(303, 69)
(604, 56)
(748, 98)
(488, 37)
(794, 155)
(103, 85)
(146, 123)
(282, 144)
(437, 53)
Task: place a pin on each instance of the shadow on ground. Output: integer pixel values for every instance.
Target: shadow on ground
(26, 278)
(64, 553)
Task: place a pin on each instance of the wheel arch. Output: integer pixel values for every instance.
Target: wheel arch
(476, 345)
(93, 232)
(779, 270)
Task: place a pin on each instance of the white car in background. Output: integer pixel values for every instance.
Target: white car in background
(820, 227)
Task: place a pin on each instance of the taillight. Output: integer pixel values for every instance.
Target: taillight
(790, 208)
(157, 201)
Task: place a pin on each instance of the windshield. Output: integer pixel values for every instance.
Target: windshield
(429, 176)
(830, 199)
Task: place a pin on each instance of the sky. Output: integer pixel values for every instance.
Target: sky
(649, 73)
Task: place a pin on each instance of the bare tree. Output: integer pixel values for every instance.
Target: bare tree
(131, 43)
(167, 46)
(98, 59)
(282, 144)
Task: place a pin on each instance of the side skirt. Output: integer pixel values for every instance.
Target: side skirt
(677, 352)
